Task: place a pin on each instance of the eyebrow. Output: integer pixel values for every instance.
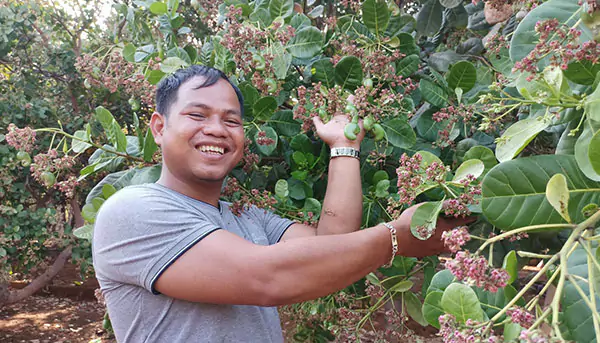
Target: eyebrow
(207, 107)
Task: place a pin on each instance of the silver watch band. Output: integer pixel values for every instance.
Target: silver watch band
(345, 151)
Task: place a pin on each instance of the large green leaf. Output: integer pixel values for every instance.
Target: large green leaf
(399, 133)
(483, 154)
(348, 72)
(265, 149)
(306, 43)
(425, 218)
(461, 301)
(462, 75)
(282, 60)
(578, 316)
(285, 123)
(433, 93)
(594, 152)
(408, 46)
(112, 129)
(408, 65)
(414, 308)
(375, 15)
(323, 71)
(402, 23)
(440, 281)
(582, 148)
(582, 72)
(432, 308)
(264, 108)
(524, 38)
(517, 136)
(514, 192)
(281, 8)
(429, 18)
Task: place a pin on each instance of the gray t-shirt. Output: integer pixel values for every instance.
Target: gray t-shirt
(139, 232)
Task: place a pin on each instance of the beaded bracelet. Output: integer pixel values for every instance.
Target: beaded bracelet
(394, 244)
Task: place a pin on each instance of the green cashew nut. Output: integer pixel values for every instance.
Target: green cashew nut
(350, 131)
(368, 123)
(378, 132)
(48, 179)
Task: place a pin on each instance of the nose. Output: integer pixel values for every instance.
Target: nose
(214, 127)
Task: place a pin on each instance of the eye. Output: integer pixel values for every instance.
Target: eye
(233, 122)
(197, 115)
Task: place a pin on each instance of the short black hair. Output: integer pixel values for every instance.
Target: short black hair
(166, 91)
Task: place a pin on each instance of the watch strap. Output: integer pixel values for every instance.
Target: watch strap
(345, 151)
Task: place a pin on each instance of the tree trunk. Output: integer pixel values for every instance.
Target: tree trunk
(9, 297)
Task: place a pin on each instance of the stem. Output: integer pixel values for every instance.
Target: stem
(536, 299)
(590, 253)
(532, 255)
(591, 272)
(524, 229)
(541, 318)
(97, 146)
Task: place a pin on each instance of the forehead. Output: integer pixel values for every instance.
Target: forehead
(195, 88)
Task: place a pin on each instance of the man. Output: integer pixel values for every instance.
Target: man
(175, 265)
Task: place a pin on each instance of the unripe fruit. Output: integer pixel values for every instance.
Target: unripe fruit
(24, 158)
(368, 83)
(86, 84)
(350, 109)
(135, 104)
(48, 179)
(368, 123)
(350, 131)
(259, 62)
(271, 84)
(378, 132)
(194, 3)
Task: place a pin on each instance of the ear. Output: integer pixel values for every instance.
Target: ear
(158, 123)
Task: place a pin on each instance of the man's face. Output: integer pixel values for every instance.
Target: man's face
(203, 137)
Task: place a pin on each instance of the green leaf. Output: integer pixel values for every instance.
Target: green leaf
(433, 93)
(281, 189)
(592, 105)
(408, 65)
(150, 146)
(414, 308)
(514, 192)
(398, 24)
(154, 76)
(264, 108)
(557, 194)
(281, 8)
(312, 205)
(306, 43)
(594, 152)
(171, 64)
(524, 38)
(450, 3)
(89, 212)
(267, 150)
(381, 189)
(432, 308)
(441, 61)
(108, 190)
(323, 71)
(158, 8)
(462, 75)
(261, 16)
(429, 18)
(282, 60)
(470, 167)
(577, 315)
(112, 129)
(284, 123)
(84, 232)
(441, 280)
(425, 217)
(511, 266)
(408, 46)
(517, 136)
(583, 145)
(402, 286)
(375, 15)
(299, 21)
(582, 72)
(129, 52)
(79, 146)
(348, 72)
(483, 154)
(461, 301)
(316, 12)
(512, 331)
(399, 133)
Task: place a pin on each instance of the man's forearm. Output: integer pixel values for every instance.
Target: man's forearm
(312, 267)
(342, 206)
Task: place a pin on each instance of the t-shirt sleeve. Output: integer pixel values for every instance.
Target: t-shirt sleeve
(138, 236)
(274, 225)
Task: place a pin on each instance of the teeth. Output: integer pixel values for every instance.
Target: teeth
(213, 149)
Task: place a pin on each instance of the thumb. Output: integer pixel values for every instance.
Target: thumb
(318, 123)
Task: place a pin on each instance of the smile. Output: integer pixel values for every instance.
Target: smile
(211, 149)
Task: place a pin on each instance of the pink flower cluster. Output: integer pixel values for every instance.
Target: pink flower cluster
(410, 177)
(475, 271)
(311, 100)
(561, 43)
(116, 74)
(249, 159)
(533, 336)
(460, 206)
(50, 162)
(242, 199)
(20, 139)
(452, 332)
(521, 316)
(263, 139)
(456, 238)
(452, 115)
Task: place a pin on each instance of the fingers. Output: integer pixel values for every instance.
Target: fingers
(318, 122)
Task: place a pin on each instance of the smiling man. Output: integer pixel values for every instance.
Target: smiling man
(176, 265)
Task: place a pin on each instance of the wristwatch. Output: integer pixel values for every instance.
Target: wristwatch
(345, 151)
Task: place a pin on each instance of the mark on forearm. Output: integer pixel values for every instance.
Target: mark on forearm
(329, 212)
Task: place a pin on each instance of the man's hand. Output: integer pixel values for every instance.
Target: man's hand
(410, 246)
(332, 133)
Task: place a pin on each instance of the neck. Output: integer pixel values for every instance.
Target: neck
(206, 191)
